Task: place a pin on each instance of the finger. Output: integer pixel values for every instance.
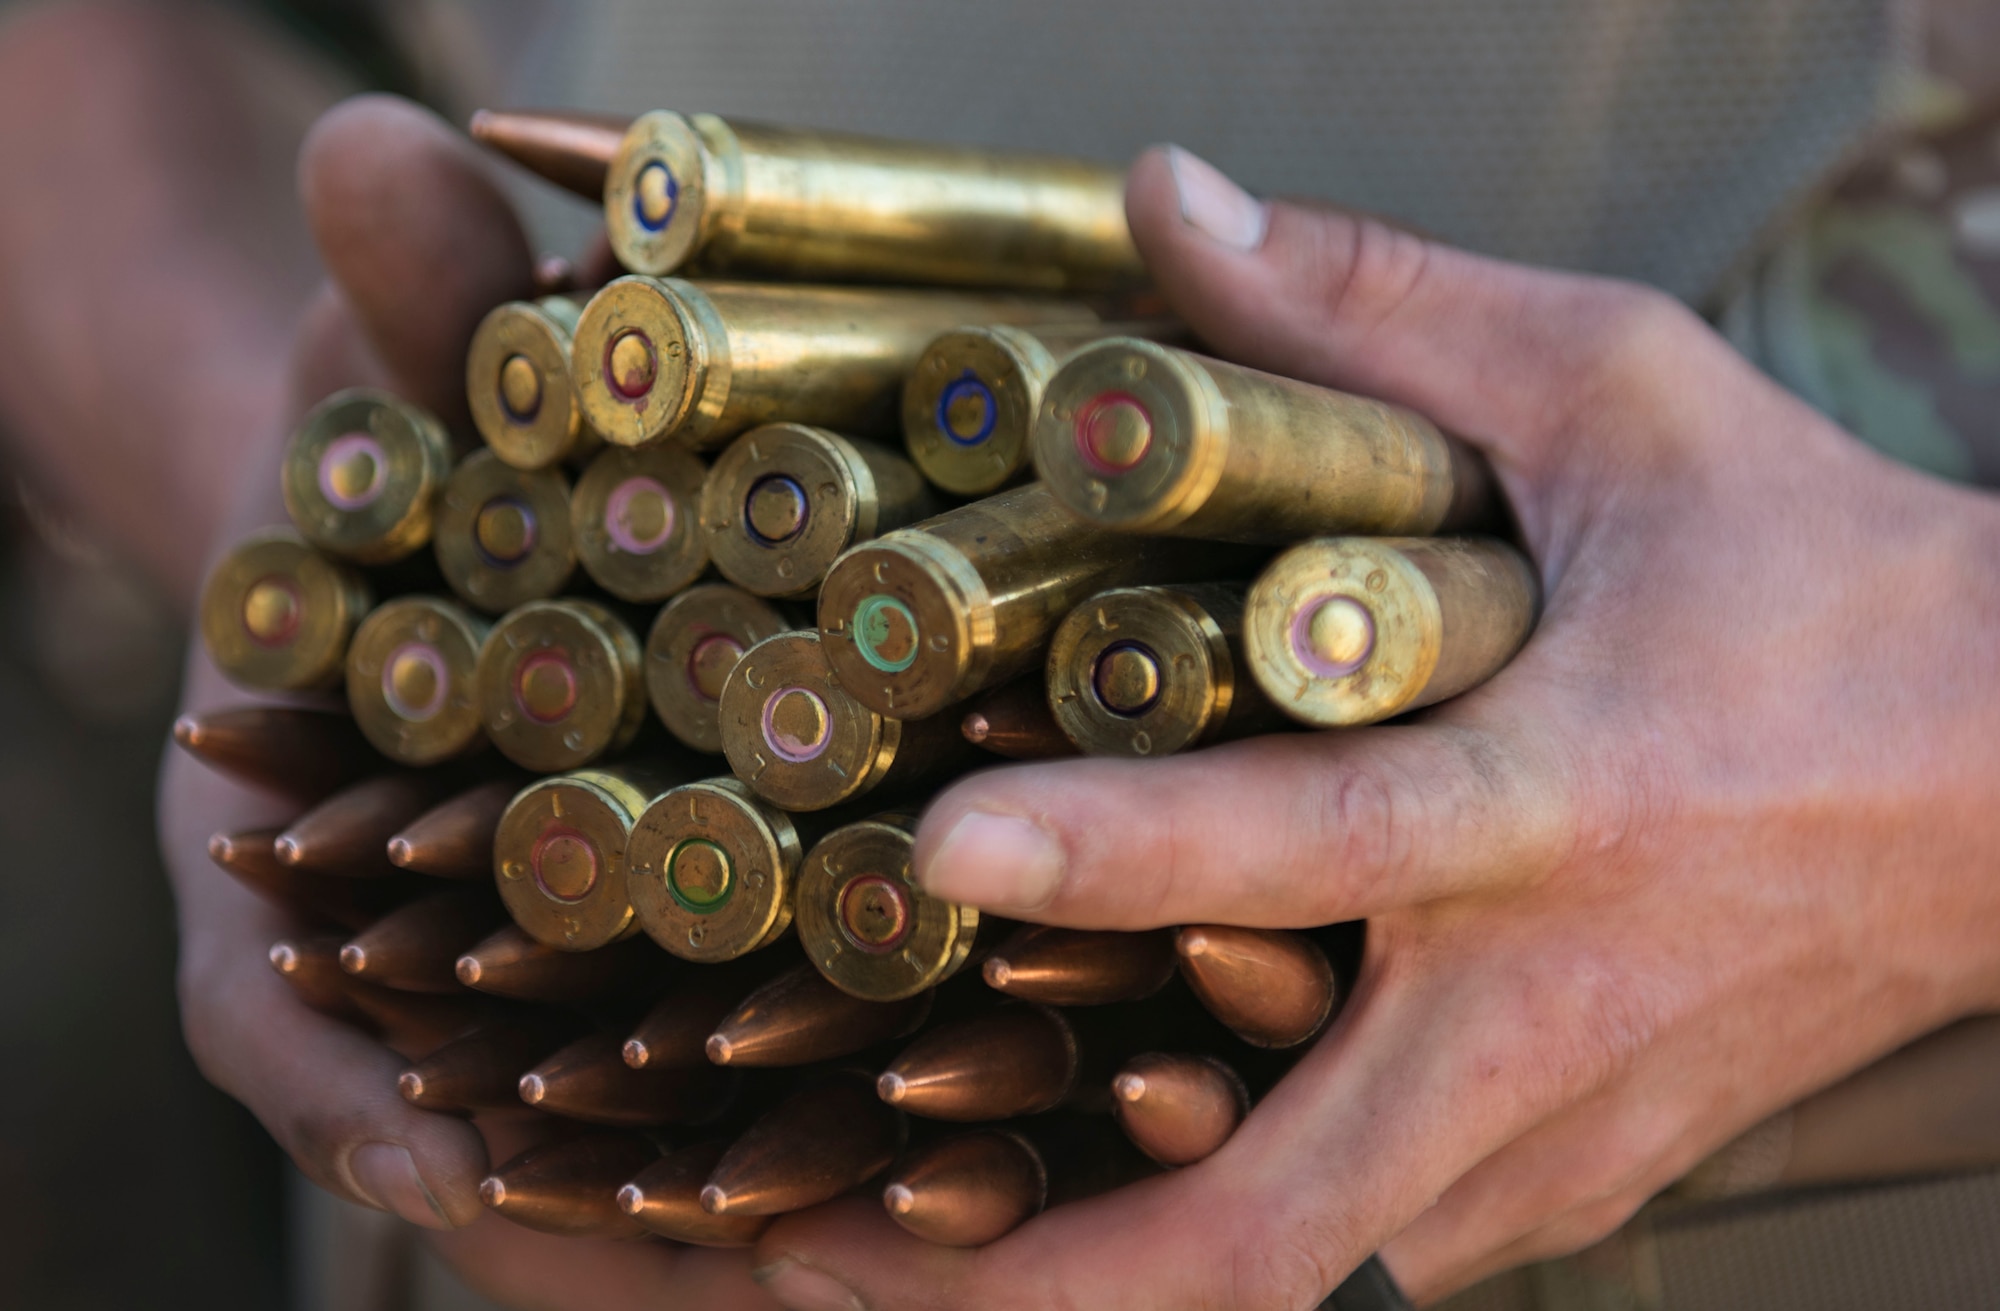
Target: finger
(330, 352)
(1283, 831)
(522, 1268)
(417, 234)
(1568, 1233)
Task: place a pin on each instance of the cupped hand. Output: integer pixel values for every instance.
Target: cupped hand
(419, 243)
(1724, 831)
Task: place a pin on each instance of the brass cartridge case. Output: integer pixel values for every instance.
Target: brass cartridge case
(969, 404)
(1148, 671)
(930, 614)
(785, 500)
(571, 149)
(864, 922)
(694, 644)
(517, 382)
(277, 615)
(635, 517)
(657, 358)
(1145, 438)
(737, 197)
(1014, 722)
(1351, 630)
(795, 736)
(559, 854)
(1178, 1107)
(362, 475)
(503, 534)
(710, 869)
(570, 1187)
(559, 685)
(303, 754)
(666, 1199)
(410, 679)
(799, 1018)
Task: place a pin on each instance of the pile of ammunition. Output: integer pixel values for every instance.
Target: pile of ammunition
(718, 990)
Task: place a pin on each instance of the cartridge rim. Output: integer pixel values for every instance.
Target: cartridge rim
(634, 515)
(278, 615)
(411, 679)
(654, 193)
(559, 860)
(637, 359)
(1100, 659)
(1378, 638)
(695, 642)
(793, 733)
(362, 473)
(780, 505)
(742, 900)
(558, 684)
(517, 382)
(503, 534)
(907, 623)
(1130, 435)
(864, 922)
(969, 406)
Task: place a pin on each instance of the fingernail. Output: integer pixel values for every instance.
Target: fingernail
(800, 1287)
(1215, 206)
(387, 1178)
(996, 862)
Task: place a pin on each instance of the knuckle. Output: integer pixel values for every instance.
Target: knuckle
(1630, 333)
(1361, 827)
(1286, 1268)
(1369, 270)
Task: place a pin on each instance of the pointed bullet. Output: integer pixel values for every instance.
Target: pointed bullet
(454, 840)
(571, 149)
(570, 1187)
(481, 1070)
(1271, 987)
(511, 964)
(346, 833)
(312, 966)
(1081, 967)
(249, 858)
(675, 1032)
(813, 1147)
(1014, 1060)
(967, 1190)
(799, 1018)
(415, 1024)
(416, 947)
(666, 1199)
(1178, 1107)
(589, 1080)
(1014, 721)
(303, 754)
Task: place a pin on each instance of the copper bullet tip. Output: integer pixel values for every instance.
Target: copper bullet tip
(187, 731)
(492, 1191)
(284, 957)
(353, 958)
(997, 971)
(533, 1089)
(719, 1050)
(468, 970)
(480, 126)
(631, 1199)
(1191, 942)
(897, 1197)
(286, 850)
(1128, 1087)
(635, 1053)
(410, 1084)
(400, 852)
(220, 848)
(714, 1200)
(890, 1087)
(977, 728)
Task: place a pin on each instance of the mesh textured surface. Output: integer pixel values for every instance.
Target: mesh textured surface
(1647, 138)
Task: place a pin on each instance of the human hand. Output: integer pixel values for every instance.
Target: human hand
(1723, 832)
(420, 244)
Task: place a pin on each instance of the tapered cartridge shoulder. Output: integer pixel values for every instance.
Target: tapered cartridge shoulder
(410, 679)
(517, 383)
(693, 646)
(278, 615)
(569, 148)
(864, 922)
(1147, 438)
(362, 475)
(635, 515)
(711, 868)
(503, 534)
(559, 684)
(1351, 630)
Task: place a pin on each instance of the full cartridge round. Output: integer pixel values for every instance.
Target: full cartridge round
(277, 615)
(634, 515)
(970, 401)
(559, 853)
(700, 362)
(559, 685)
(517, 381)
(785, 500)
(503, 534)
(741, 197)
(1146, 438)
(1352, 630)
(864, 922)
(1148, 671)
(694, 643)
(800, 741)
(928, 615)
(411, 679)
(362, 474)
(711, 869)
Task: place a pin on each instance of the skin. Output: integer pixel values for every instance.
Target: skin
(1720, 834)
